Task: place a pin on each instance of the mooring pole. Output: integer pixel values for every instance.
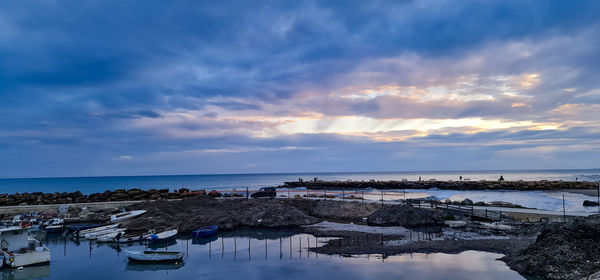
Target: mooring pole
(288, 192)
(598, 197)
(234, 248)
(222, 247)
(362, 196)
(343, 194)
(325, 190)
(564, 213)
(247, 193)
(381, 198)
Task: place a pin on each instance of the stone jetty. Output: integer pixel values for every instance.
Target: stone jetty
(444, 185)
(39, 198)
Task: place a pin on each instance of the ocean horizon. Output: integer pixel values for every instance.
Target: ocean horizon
(92, 184)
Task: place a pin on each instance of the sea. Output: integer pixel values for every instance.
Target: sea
(88, 185)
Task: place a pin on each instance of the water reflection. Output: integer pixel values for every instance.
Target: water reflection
(134, 266)
(33, 272)
(252, 254)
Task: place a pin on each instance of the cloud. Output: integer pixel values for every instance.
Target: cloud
(323, 83)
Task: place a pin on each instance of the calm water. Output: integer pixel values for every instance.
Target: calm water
(207, 260)
(253, 181)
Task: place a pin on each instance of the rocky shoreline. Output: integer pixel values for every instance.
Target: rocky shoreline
(444, 185)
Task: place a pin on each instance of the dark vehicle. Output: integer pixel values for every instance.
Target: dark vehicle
(265, 192)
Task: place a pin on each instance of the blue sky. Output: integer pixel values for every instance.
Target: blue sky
(186, 87)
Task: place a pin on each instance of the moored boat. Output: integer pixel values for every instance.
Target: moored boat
(96, 229)
(19, 249)
(154, 256)
(125, 238)
(54, 229)
(205, 231)
(126, 216)
(96, 235)
(75, 228)
(163, 236)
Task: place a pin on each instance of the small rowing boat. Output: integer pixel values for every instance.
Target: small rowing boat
(80, 228)
(205, 231)
(154, 256)
(162, 236)
(54, 229)
(126, 216)
(96, 235)
(96, 229)
(126, 238)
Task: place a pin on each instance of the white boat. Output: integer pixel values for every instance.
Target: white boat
(96, 229)
(161, 236)
(126, 216)
(154, 256)
(96, 235)
(124, 238)
(19, 249)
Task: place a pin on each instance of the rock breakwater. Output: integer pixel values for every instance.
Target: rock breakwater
(444, 185)
(39, 198)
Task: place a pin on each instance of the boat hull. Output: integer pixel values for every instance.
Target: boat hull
(205, 232)
(27, 259)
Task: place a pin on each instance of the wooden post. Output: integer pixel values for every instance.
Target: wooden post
(486, 213)
(209, 249)
(382, 198)
(222, 247)
(343, 194)
(234, 248)
(247, 193)
(598, 197)
(280, 253)
(288, 192)
(249, 257)
(325, 190)
(265, 248)
(410, 236)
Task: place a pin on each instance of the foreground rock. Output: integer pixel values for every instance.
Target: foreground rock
(405, 216)
(562, 252)
(195, 212)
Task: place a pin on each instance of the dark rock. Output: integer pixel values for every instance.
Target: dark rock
(406, 216)
(214, 193)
